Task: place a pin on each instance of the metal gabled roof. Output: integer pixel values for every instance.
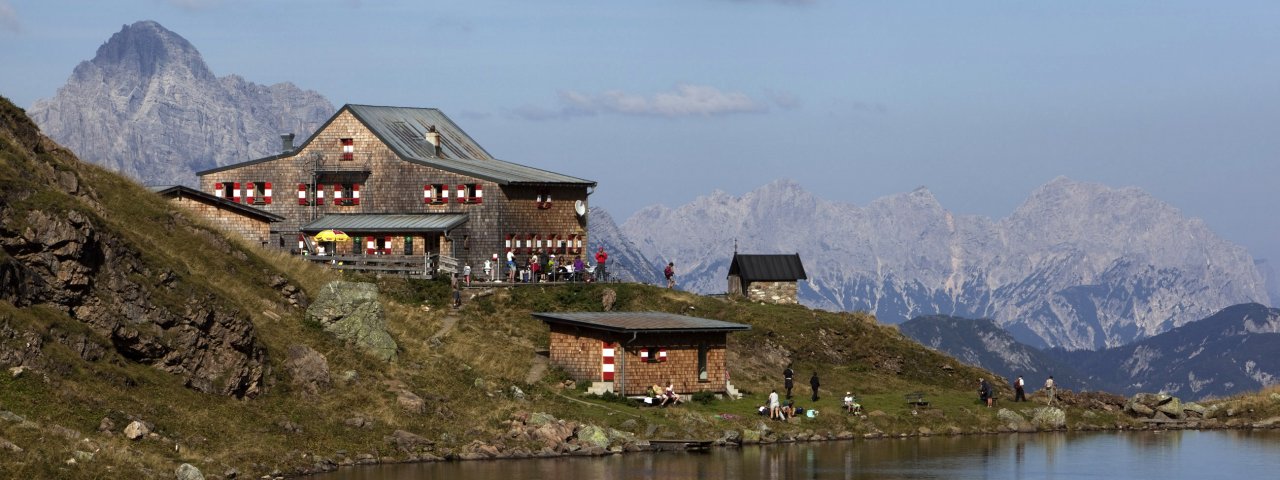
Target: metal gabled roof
(767, 268)
(387, 223)
(650, 322)
(185, 191)
(404, 129)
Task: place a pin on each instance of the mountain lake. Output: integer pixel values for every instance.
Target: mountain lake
(1165, 455)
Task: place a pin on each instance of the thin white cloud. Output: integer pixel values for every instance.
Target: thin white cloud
(9, 17)
(683, 100)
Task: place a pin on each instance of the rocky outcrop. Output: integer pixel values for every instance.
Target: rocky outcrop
(149, 107)
(60, 251)
(1162, 406)
(1078, 265)
(351, 312)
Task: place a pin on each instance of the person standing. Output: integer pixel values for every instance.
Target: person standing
(984, 391)
(511, 267)
(1048, 389)
(466, 274)
(670, 273)
(787, 379)
(813, 383)
(602, 257)
(488, 269)
(1019, 392)
(534, 267)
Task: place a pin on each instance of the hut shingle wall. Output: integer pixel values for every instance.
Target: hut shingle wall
(389, 184)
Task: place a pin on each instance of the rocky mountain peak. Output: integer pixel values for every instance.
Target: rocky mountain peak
(149, 107)
(146, 48)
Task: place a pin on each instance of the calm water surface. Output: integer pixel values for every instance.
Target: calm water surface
(1155, 455)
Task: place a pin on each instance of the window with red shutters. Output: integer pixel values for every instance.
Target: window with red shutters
(348, 149)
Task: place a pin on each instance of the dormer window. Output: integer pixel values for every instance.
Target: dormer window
(348, 149)
(544, 198)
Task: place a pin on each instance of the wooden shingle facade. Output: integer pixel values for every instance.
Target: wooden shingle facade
(632, 351)
(405, 170)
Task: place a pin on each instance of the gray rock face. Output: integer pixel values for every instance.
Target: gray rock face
(147, 106)
(350, 311)
(1078, 265)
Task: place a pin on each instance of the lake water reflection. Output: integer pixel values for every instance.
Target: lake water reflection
(1162, 455)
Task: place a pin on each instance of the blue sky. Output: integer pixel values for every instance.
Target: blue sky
(663, 101)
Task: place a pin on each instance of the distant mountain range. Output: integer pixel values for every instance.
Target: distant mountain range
(147, 106)
(1229, 352)
(1078, 265)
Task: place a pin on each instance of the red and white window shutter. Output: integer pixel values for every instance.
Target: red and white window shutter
(662, 354)
(508, 244)
(337, 194)
(479, 198)
(370, 245)
(462, 193)
(348, 149)
(386, 245)
(319, 194)
(355, 194)
(218, 191)
(606, 361)
(235, 192)
(266, 192)
(426, 193)
(250, 189)
(302, 194)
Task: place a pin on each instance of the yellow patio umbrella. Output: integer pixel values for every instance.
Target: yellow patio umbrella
(332, 236)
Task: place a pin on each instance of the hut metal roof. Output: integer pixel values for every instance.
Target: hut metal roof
(644, 322)
(404, 129)
(387, 223)
(767, 268)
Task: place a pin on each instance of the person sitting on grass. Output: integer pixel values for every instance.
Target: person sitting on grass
(851, 404)
(670, 394)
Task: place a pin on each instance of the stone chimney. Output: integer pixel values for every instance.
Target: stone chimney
(433, 137)
(286, 143)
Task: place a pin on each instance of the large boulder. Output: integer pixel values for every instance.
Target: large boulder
(350, 311)
(1172, 408)
(188, 471)
(593, 436)
(308, 369)
(1049, 418)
